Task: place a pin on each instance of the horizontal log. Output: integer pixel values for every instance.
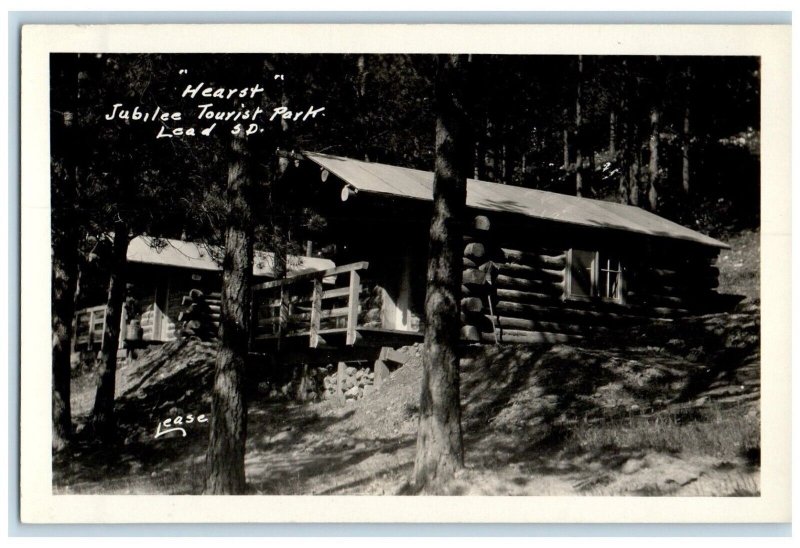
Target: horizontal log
(471, 304)
(470, 333)
(573, 315)
(685, 273)
(534, 259)
(530, 272)
(515, 295)
(675, 290)
(475, 250)
(527, 337)
(668, 311)
(474, 290)
(473, 276)
(672, 260)
(548, 288)
(510, 323)
(481, 222)
(671, 301)
(478, 319)
(534, 253)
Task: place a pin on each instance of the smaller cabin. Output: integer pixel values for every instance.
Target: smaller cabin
(163, 275)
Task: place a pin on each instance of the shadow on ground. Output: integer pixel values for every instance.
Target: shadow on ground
(667, 409)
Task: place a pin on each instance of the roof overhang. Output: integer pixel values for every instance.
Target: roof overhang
(195, 256)
(408, 183)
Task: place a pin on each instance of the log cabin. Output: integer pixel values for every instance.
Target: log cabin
(163, 275)
(538, 267)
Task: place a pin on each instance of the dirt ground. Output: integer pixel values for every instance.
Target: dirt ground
(680, 417)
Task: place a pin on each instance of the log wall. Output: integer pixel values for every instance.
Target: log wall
(514, 284)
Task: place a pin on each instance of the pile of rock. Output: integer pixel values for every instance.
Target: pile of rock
(322, 383)
(356, 382)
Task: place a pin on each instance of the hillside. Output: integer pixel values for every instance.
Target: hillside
(671, 408)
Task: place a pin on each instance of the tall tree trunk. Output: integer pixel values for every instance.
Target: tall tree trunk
(634, 173)
(363, 141)
(480, 158)
(226, 446)
(612, 134)
(652, 192)
(685, 177)
(508, 166)
(490, 154)
(64, 250)
(64, 242)
(565, 149)
(439, 440)
(579, 145)
(103, 413)
(686, 134)
(625, 156)
(624, 185)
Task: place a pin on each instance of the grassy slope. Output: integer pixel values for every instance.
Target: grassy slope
(667, 409)
(739, 267)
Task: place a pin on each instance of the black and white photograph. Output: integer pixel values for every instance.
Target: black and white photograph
(453, 273)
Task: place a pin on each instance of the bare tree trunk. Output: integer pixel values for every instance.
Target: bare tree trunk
(566, 149)
(612, 134)
(226, 446)
(508, 166)
(685, 177)
(480, 157)
(439, 440)
(65, 275)
(579, 168)
(634, 173)
(625, 156)
(624, 185)
(64, 243)
(103, 413)
(652, 192)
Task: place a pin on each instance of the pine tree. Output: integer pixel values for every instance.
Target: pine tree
(439, 440)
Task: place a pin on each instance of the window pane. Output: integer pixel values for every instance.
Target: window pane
(612, 285)
(610, 276)
(581, 272)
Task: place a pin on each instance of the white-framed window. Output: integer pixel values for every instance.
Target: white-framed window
(594, 275)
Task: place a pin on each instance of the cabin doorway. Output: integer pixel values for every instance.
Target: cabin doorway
(398, 297)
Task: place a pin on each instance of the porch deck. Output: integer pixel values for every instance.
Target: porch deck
(319, 310)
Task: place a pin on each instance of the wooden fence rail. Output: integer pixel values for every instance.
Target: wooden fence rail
(298, 305)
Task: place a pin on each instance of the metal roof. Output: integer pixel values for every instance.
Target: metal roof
(539, 204)
(181, 254)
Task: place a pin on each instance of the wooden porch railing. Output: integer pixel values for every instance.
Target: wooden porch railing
(302, 306)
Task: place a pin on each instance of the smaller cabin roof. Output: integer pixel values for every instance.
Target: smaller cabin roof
(181, 254)
(413, 183)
